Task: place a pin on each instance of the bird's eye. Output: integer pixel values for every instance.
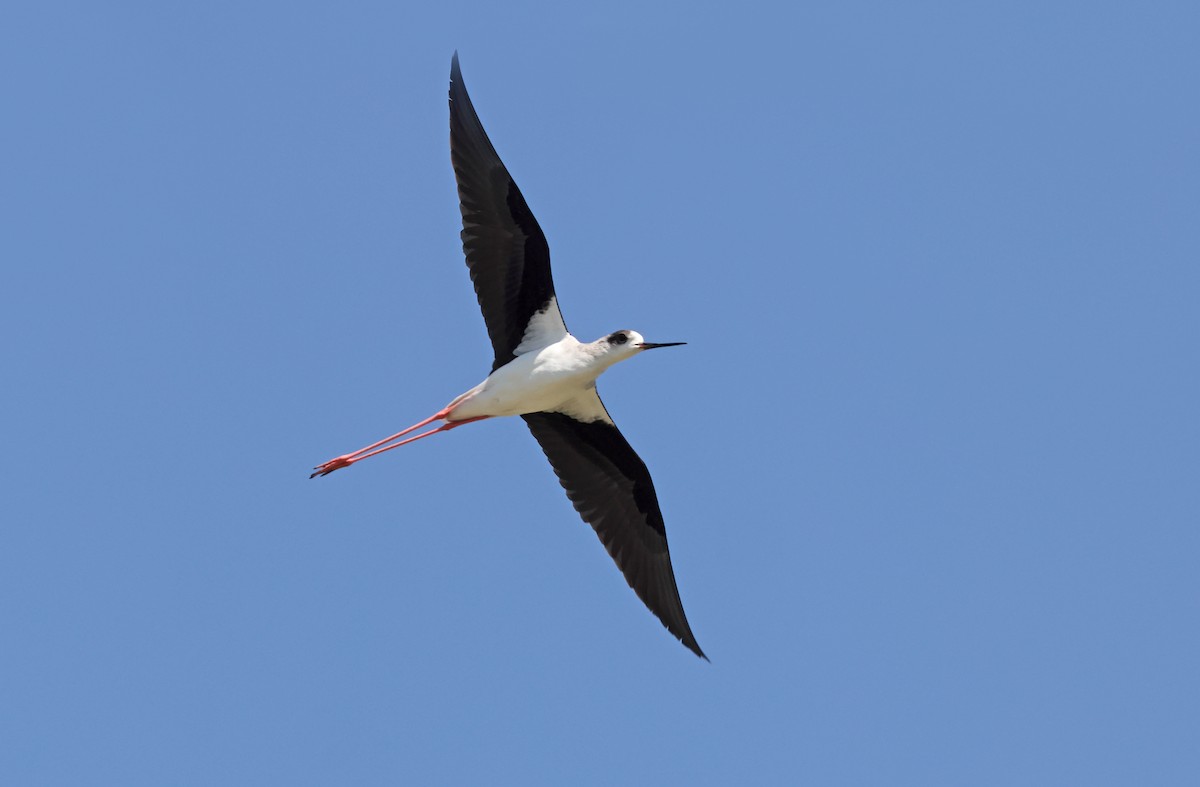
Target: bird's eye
(618, 338)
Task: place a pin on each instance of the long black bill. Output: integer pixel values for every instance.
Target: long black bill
(654, 345)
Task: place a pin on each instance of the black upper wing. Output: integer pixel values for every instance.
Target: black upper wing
(505, 248)
(610, 487)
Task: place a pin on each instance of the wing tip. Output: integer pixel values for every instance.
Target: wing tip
(684, 634)
(456, 79)
(695, 648)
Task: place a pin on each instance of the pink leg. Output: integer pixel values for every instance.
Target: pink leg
(373, 449)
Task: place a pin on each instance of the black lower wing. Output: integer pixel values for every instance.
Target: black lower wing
(610, 487)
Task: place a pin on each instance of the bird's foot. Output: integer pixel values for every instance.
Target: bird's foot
(332, 464)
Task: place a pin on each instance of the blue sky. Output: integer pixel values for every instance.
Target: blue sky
(928, 464)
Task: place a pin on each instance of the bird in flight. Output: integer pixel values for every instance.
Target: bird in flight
(545, 375)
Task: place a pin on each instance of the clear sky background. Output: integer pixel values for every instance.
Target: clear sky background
(929, 463)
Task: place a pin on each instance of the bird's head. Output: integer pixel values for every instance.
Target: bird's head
(625, 344)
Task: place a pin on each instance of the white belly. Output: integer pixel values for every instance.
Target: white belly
(530, 383)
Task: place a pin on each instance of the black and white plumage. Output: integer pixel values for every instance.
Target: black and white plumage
(545, 375)
(505, 248)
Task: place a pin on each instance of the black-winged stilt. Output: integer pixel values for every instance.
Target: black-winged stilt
(545, 375)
